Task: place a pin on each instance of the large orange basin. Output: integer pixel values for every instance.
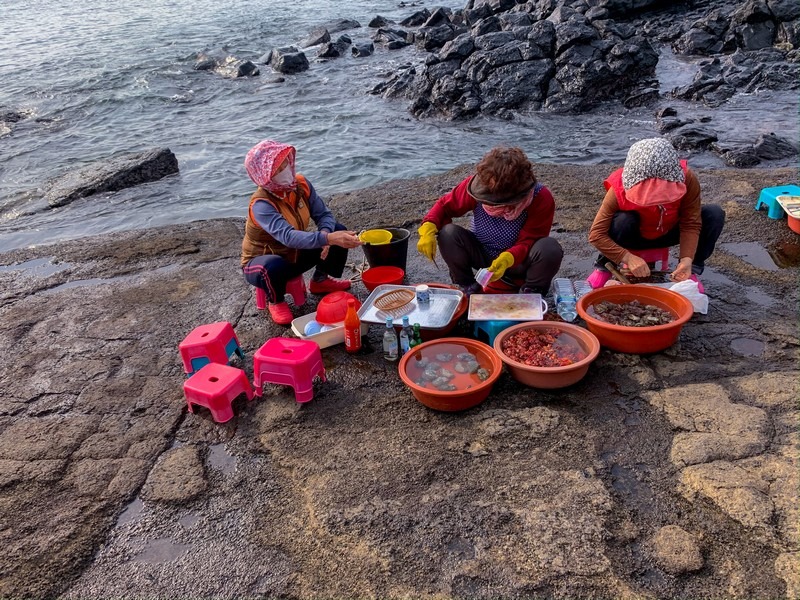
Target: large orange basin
(470, 390)
(637, 340)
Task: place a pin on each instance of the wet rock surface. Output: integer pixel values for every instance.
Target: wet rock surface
(111, 175)
(109, 487)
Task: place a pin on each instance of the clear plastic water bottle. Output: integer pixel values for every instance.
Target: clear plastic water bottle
(405, 336)
(565, 298)
(389, 341)
(582, 287)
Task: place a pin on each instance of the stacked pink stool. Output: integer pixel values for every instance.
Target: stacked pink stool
(296, 288)
(653, 255)
(216, 386)
(211, 343)
(288, 361)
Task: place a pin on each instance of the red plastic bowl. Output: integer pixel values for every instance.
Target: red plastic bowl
(637, 340)
(333, 307)
(548, 378)
(456, 400)
(794, 223)
(376, 276)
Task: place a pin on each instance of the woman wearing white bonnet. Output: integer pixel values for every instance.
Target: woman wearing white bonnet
(654, 202)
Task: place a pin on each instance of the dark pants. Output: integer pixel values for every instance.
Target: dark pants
(462, 252)
(271, 272)
(624, 231)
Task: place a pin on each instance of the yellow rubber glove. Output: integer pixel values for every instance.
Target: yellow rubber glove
(500, 264)
(427, 240)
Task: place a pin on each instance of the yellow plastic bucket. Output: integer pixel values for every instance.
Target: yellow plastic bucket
(375, 237)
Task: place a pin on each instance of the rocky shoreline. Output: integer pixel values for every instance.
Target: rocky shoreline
(510, 57)
(672, 475)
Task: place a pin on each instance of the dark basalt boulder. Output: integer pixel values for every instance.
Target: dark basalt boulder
(433, 38)
(740, 158)
(596, 13)
(789, 34)
(361, 49)
(317, 36)
(224, 64)
(692, 137)
(490, 24)
(698, 41)
(643, 97)
(754, 36)
(750, 25)
(718, 79)
(766, 147)
(340, 25)
(417, 19)
(12, 116)
(112, 175)
(618, 8)
(335, 49)
(392, 36)
(784, 10)
(234, 68)
(440, 16)
(774, 147)
(379, 21)
(288, 60)
(398, 82)
(572, 33)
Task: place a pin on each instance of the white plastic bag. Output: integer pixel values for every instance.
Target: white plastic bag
(691, 290)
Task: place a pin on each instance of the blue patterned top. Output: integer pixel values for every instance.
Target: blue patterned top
(498, 234)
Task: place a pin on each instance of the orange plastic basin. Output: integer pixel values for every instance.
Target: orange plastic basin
(637, 340)
(470, 390)
(550, 377)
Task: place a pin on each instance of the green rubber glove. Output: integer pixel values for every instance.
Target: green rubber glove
(500, 264)
(427, 240)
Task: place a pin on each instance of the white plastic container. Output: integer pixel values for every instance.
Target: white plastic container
(325, 339)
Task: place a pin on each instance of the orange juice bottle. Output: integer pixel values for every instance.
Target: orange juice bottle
(352, 328)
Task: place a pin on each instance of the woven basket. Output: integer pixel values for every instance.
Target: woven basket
(394, 299)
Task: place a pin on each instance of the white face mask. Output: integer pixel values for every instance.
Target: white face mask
(283, 177)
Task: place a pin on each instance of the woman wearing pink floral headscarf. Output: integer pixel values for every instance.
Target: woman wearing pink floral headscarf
(276, 247)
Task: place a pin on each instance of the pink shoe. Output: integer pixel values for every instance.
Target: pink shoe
(327, 285)
(598, 278)
(280, 313)
(700, 287)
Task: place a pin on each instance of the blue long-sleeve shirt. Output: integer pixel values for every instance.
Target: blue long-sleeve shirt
(271, 220)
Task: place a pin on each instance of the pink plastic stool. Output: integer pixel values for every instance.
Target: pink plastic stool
(216, 386)
(653, 255)
(296, 288)
(288, 361)
(212, 343)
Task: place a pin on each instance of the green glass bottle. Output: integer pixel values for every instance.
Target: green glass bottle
(416, 339)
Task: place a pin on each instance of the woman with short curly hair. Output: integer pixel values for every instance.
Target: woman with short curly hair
(509, 234)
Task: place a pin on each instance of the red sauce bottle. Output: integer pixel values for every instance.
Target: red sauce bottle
(352, 328)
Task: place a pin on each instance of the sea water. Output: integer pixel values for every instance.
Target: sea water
(99, 78)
